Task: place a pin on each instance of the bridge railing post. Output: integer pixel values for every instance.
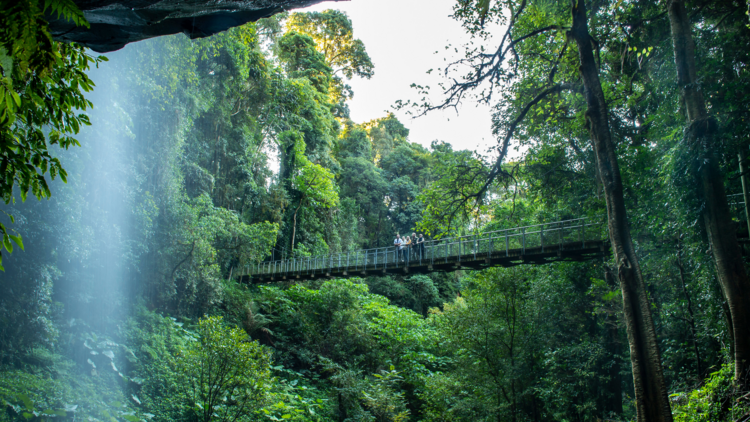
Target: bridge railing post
(583, 234)
(432, 253)
(523, 239)
(541, 236)
(459, 249)
(506, 243)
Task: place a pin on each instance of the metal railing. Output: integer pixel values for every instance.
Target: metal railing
(546, 237)
(737, 206)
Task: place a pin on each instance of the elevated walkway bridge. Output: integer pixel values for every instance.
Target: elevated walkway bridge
(569, 240)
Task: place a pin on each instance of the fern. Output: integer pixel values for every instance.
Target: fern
(68, 10)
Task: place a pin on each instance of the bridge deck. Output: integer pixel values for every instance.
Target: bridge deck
(577, 239)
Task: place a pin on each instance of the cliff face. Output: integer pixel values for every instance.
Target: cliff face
(115, 23)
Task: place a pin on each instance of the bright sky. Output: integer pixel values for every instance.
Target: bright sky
(401, 37)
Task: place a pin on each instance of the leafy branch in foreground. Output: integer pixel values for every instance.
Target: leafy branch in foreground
(42, 85)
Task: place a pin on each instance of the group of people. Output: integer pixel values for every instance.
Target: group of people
(409, 246)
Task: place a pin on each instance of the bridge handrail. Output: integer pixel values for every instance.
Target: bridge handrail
(326, 261)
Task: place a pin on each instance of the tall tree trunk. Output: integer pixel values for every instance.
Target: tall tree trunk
(701, 132)
(691, 315)
(614, 404)
(652, 402)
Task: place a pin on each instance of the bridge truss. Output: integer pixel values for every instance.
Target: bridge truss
(569, 240)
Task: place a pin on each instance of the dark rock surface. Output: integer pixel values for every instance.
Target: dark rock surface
(115, 23)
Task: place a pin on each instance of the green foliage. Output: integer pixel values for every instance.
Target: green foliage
(158, 344)
(199, 233)
(332, 32)
(294, 398)
(51, 386)
(42, 87)
(717, 400)
(456, 195)
(298, 53)
(228, 376)
(314, 182)
(333, 36)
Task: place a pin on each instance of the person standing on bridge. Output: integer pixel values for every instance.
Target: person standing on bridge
(420, 246)
(414, 248)
(406, 248)
(399, 244)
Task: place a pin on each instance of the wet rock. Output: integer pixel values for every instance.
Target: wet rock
(115, 23)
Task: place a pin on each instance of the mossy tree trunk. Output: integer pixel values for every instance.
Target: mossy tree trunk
(701, 134)
(652, 402)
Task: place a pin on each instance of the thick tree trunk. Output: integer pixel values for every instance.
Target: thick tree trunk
(721, 231)
(691, 315)
(652, 402)
(613, 404)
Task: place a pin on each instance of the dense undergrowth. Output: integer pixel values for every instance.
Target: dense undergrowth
(329, 351)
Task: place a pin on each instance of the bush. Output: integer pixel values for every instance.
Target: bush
(718, 400)
(229, 375)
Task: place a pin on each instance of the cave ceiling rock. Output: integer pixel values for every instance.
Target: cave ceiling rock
(115, 23)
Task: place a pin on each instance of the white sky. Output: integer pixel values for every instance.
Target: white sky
(401, 37)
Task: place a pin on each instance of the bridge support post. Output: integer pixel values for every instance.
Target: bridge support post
(506, 243)
(541, 236)
(432, 255)
(583, 234)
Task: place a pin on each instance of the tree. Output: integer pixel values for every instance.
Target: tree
(701, 135)
(652, 401)
(650, 387)
(314, 183)
(489, 329)
(333, 33)
(229, 375)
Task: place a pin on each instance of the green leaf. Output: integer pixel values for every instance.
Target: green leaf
(7, 244)
(8, 100)
(26, 401)
(50, 412)
(483, 6)
(18, 241)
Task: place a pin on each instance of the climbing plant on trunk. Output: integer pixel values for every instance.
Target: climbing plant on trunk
(700, 139)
